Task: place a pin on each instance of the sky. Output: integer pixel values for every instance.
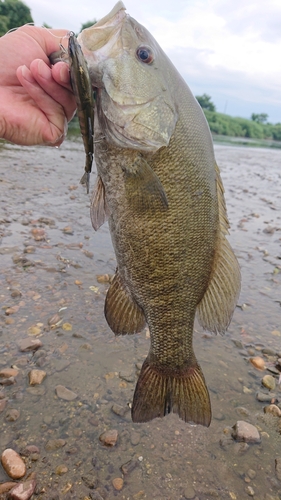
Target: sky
(230, 50)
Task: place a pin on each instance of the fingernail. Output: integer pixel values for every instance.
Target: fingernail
(27, 74)
(44, 70)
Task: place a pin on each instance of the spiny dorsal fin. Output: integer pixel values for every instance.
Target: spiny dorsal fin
(122, 313)
(99, 210)
(219, 301)
(144, 190)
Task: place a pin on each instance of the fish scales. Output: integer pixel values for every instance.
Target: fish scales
(161, 190)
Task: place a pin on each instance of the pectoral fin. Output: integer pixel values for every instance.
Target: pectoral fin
(122, 313)
(144, 190)
(99, 210)
(219, 301)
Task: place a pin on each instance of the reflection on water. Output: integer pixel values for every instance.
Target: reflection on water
(50, 259)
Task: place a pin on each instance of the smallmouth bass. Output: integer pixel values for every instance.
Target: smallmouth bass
(160, 189)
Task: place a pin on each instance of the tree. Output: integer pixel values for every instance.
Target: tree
(13, 13)
(259, 117)
(205, 102)
(88, 24)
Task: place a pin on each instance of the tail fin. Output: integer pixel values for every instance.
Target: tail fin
(160, 391)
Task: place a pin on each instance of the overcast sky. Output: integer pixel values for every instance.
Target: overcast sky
(229, 49)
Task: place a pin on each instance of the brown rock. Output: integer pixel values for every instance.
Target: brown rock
(64, 393)
(243, 431)
(5, 487)
(29, 450)
(29, 344)
(118, 483)
(23, 491)
(3, 403)
(269, 382)
(13, 464)
(54, 444)
(12, 415)
(61, 469)
(278, 468)
(258, 362)
(8, 372)
(36, 377)
(273, 410)
(109, 438)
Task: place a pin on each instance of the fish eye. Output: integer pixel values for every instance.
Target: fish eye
(145, 54)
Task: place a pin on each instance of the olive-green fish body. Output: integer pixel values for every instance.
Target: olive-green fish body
(161, 190)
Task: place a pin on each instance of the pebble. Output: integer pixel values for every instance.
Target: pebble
(29, 450)
(36, 377)
(278, 468)
(250, 491)
(109, 438)
(7, 381)
(90, 480)
(264, 398)
(118, 483)
(61, 469)
(119, 410)
(258, 362)
(13, 464)
(243, 431)
(3, 403)
(5, 487)
(8, 372)
(23, 491)
(29, 344)
(12, 415)
(269, 382)
(273, 410)
(54, 444)
(129, 466)
(135, 438)
(189, 492)
(64, 393)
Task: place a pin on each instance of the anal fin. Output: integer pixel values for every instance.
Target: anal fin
(160, 391)
(122, 313)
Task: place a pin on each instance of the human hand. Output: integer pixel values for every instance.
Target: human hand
(36, 100)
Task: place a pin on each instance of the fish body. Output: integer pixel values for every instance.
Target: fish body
(160, 188)
(82, 88)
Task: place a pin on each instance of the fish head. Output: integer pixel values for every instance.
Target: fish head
(131, 75)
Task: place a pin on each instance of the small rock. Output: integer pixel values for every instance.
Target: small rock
(189, 492)
(54, 444)
(64, 393)
(278, 468)
(135, 438)
(250, 491)
(264, 398)
(127, 376)
(109, 438)
(3, 403)
(7, 381)
(5, 487)
(119, 410)
(268, 352)
(23, 491)
(269, 382)
(29, 450)
(273, 410)
(13, 464)
(90, 480)
(61, 469)
(251, 473)
(129, 466)
(8, 372)
(12, 415)
(29, 344)
(258, 362)
(36, 377)
(240, 448)
(243, 431)
(118, 483)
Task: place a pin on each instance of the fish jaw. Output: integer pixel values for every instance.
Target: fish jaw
(127, 107)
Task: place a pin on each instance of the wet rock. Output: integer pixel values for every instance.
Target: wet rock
(90, 480)
(29, 450)
(5, 487)
(269, 382)
(278, 468)
(36, 377)
(129, 466)
(54, 444)
(109, 438)
(189, 492)
(29, 344)
(240, 448)
(237, 343)
(258, 362)
(135, 438)
(12, 415)
(119, 410)
(64, 393)
(128, 376)
(3, 403)
(250, 491)
(7, 381)
(23, 491)
(268, 352)
(61, 469)
(264, 398)
(13, 464)
(8, 372)
(95, 495)
(243, 431)
(273, 410)
(118, 483)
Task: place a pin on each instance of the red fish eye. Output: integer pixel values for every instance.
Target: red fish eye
(145, 55)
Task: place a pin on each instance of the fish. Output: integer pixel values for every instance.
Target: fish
(83, 92)
(159, 187)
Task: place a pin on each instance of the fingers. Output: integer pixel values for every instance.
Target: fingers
(48, 121)
(53, 87)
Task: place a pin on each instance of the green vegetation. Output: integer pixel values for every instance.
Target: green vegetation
(13, 13)
(205, 102)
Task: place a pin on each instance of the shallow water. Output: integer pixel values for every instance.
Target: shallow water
(57, 274)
